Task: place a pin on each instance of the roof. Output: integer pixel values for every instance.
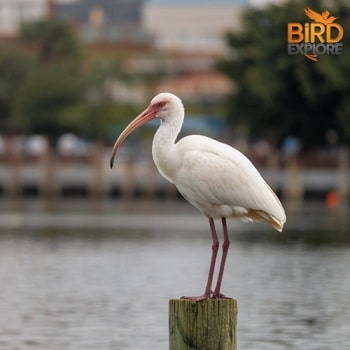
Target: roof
(198, 85)
(114, 12)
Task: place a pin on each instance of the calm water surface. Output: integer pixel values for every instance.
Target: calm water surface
(84, 275)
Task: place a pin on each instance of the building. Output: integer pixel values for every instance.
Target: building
(192, 35)
(15, 12)
(113, 21)
(191, 27)
(118, 13)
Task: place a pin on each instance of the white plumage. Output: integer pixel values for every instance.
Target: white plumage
(214, 177)
(221, 182)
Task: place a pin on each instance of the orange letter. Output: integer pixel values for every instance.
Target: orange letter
(336, 26)
(317, 34)
(295, 32)
(307, 32)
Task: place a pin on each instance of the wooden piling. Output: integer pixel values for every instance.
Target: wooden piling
(343, 176)
(97, 187)
(293, 187)
(48, 185)
(204, 325)
(14, 186)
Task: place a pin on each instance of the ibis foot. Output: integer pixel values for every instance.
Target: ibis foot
(220, 296)
(207, 296)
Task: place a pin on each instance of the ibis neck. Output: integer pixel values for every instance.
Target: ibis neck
(164, 147)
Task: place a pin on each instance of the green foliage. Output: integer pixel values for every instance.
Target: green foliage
(54, 39)
(39, 78)
(44, 96)
(65, 91)
(97, 120)
(276, 95)
(15, 64)
(46, 85)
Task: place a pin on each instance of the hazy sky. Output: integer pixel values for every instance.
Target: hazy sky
(260, 2)
(195, 1)
(198, 1)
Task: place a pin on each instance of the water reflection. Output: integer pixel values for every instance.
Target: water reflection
(77, 275)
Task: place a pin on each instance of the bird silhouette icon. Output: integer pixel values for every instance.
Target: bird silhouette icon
(323, 17)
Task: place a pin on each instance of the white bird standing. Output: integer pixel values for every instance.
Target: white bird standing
(214, 177)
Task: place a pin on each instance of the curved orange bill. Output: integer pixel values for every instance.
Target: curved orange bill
(147, 115)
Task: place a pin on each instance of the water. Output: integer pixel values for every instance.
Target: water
(85, 275)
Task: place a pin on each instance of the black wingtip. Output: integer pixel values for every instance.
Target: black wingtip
(111, 163)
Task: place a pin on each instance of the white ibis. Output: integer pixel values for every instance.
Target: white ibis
(214, 177)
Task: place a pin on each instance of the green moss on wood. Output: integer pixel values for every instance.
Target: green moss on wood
(205, 325)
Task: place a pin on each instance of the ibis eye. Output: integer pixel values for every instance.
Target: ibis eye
(161, 104)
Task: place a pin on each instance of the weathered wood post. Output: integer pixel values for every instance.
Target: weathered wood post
(14, 186)
(293, 187)
(204, 325)
(97, 185)
(48, 185)
(343, 175)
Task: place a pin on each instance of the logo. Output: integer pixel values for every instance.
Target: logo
(312, 39)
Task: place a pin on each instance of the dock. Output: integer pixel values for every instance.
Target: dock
(52, 175)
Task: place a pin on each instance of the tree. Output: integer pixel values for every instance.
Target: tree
(67, 92)
(100, 120)
(53, 38)
(277, 95)
(15, 65)
(43, 98)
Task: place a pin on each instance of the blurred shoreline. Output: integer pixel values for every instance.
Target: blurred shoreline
(30, 167)
(91, 176)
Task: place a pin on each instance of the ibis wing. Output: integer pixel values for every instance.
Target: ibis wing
(224, 176)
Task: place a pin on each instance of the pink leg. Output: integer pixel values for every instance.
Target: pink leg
(214, 253)
(214, 249)
(225, 247)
